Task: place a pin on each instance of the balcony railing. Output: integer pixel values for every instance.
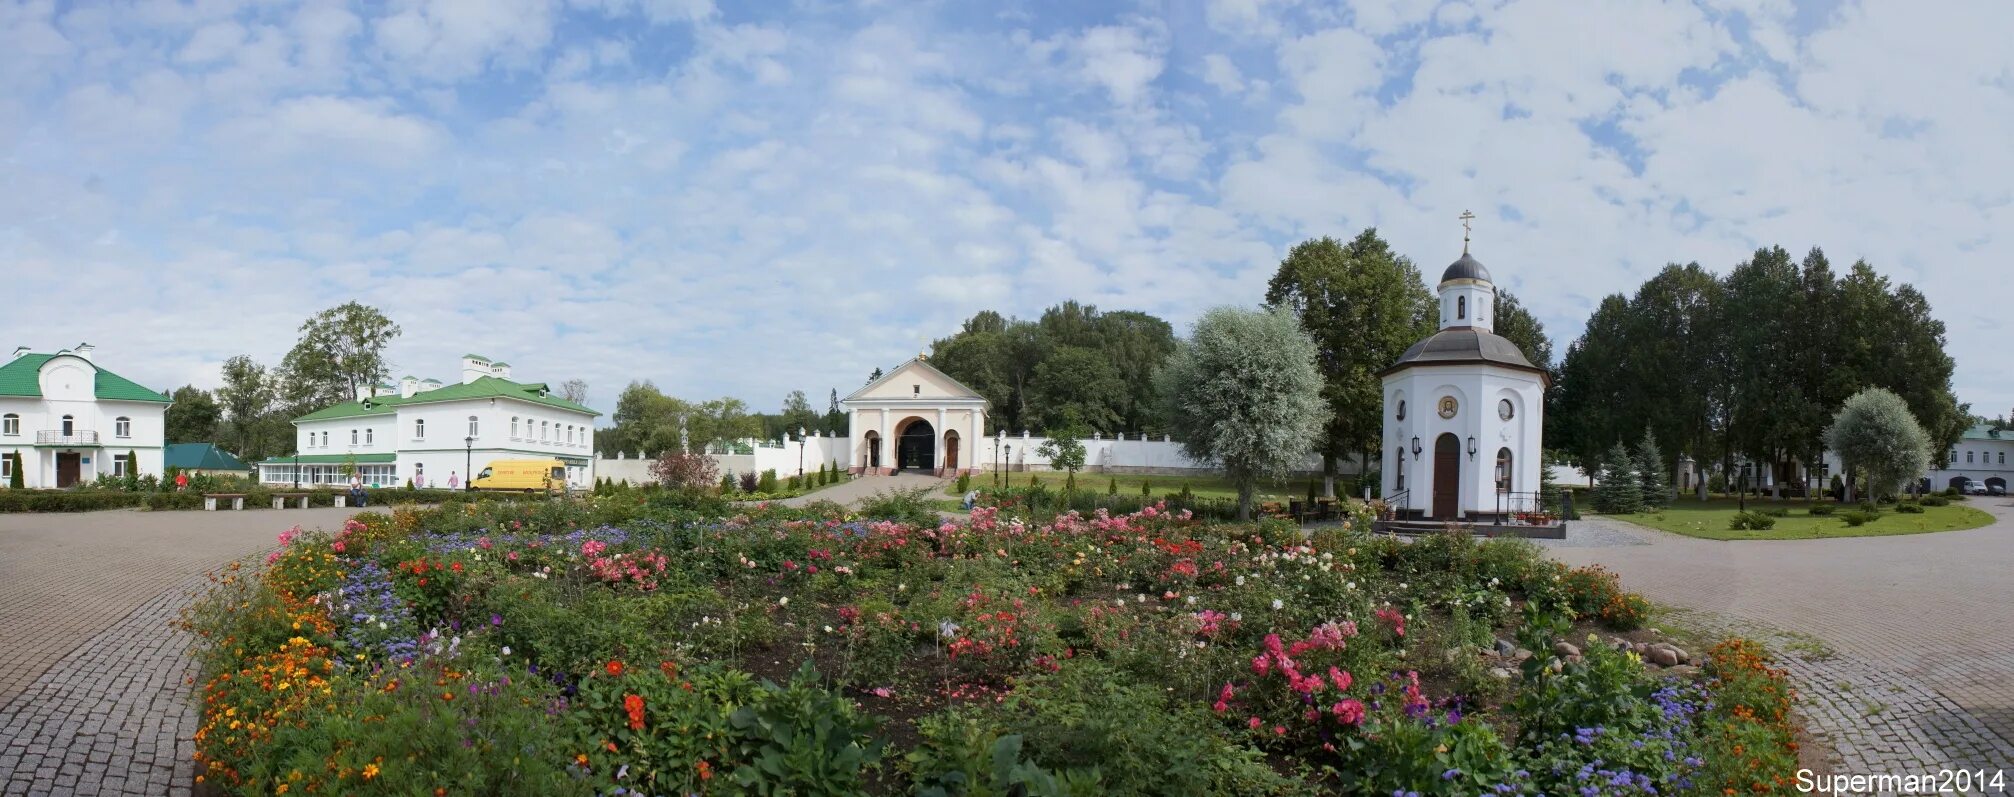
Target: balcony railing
(75, 437)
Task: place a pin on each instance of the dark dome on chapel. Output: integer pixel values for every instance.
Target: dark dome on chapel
(1467, 268)
(1470, 345)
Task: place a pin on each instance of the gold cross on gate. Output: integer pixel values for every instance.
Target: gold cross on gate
(1466, 217)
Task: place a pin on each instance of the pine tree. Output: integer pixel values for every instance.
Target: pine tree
(1146, 488)
(1620, 491)
(1650, 473)
(16, 480)
(1112, 487)
(727, 483)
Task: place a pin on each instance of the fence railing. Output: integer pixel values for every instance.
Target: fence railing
(74, 437)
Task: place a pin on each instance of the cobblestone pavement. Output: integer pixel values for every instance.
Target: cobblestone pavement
(93, 692)
(1899, 646)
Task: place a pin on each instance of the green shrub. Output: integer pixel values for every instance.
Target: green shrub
(1751, 521)
(1823, 509)
(802, 739)
(1934, 499)
(963, 755)
(766, 483)
(1146, 488)
(1112, 487)
(1859, 517)
(1909, 508)
(964, 483)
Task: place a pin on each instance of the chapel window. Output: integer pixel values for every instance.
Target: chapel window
(1461, 307)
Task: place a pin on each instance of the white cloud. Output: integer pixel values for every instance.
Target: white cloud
(1221, 73)
(615, 189)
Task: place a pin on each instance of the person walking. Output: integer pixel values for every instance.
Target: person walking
(357, 490)
(181, 480)
(454, 482)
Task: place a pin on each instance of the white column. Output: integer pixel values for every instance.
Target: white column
(939, 444)
(887, 445)
(976, 429)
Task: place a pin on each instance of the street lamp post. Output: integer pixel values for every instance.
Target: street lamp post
(801, 441)
(999, 439)
(468, 463)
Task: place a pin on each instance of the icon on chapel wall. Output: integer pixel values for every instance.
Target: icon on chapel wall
(1447, 406)
(1505, 410)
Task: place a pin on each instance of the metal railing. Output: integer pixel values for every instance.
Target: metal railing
(1395, 504)
(1525, 509)
(75, 437)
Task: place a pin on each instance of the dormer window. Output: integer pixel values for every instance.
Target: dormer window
(916, 390)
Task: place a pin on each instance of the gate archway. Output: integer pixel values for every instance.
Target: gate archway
(916, 446)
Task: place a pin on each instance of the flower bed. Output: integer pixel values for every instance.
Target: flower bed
(630, 647)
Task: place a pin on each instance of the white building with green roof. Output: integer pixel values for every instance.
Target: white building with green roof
(427, 432)
(67, 420)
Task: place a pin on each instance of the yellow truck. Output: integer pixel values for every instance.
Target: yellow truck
(522, 475)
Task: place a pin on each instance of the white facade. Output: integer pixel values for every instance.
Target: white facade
(1463, 413)
(914, 418)
(72, 421)
(429, 434)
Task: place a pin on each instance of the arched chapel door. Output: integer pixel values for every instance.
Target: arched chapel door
(1447, 476)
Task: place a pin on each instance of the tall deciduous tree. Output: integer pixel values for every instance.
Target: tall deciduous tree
(1073, 365)
(1363, 305)
(1245, 392)
(797, 414)
(1065, 451)
(574, 390)
(1876, 436)
(341, 349)
(193, 417)
(255, 425)
(648, 421)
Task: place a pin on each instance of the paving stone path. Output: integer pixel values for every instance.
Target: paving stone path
(1899, 646)
(94, 678)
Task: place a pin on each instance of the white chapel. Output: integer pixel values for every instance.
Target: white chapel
(1464, 411)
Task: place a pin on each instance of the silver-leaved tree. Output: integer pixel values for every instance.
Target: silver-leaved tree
(1877, 437)
(1243, 391)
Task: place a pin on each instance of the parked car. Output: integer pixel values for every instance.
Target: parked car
(1996, 489)
(1972, 487)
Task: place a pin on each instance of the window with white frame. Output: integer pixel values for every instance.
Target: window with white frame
(69, 425)
(119, 466)
(569, 434)
(419, 428)
(10, 424)
(122, 426)
(473, 427)
(353, 437)
(544, 431)
(325, 439)
(6, 468)
(513, 427)
(368, 434)
(2003, 457)
(1968, 457)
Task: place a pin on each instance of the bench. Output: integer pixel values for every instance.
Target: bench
(210, 500)
(280, 500)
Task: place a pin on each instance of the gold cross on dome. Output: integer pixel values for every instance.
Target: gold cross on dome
(1466, 217)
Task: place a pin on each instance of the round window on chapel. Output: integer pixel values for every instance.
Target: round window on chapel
(1505, 410)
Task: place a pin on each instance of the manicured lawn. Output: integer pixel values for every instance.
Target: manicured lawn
(1709, 520)
(1202, 486)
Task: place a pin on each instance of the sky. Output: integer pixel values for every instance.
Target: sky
(751, 198)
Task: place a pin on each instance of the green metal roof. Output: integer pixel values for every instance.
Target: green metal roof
(23, 377)
(1986, 432)
(481, 388)
(333, 459)
(200, 456)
